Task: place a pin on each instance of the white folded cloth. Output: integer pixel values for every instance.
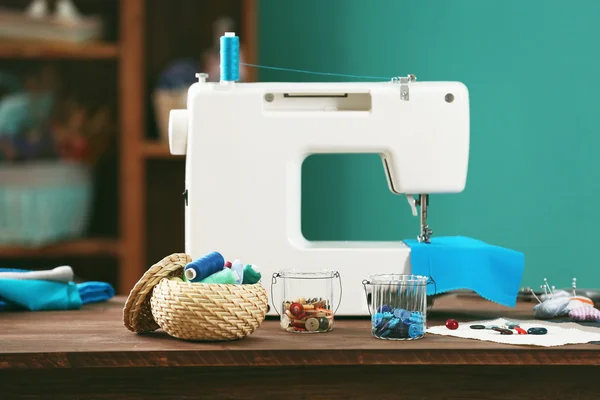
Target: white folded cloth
(59, 274)
(559, 334)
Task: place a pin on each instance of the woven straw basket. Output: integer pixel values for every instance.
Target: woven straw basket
(192, 311)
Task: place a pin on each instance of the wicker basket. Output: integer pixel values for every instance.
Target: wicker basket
(193, 311)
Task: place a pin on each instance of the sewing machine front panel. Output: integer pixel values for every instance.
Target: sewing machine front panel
(243, 175)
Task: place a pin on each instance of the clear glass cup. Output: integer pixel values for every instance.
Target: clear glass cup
(307, 300)
(398, 306)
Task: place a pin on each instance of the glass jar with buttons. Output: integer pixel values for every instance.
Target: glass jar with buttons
(398, 305)
(307, 300)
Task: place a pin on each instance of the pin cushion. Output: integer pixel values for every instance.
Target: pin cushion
(192, 311)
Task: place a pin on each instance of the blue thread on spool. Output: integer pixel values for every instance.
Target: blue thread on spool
(230, 57)
(204, 267)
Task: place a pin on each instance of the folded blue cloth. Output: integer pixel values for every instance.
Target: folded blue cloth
(40, 295)
(37, 295)
(94, 292)
(458, 262)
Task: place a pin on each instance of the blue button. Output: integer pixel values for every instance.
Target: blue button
(398, 312)
(377, 318)
(416, 318)
(385, 308)
(393, 323)
(415, 330)
(383, 327)
(405, 316)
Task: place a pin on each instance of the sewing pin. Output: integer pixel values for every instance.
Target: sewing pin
(532, 292)
(574, 286)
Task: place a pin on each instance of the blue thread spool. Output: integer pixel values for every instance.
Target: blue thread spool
(230, 57)
(204, 267)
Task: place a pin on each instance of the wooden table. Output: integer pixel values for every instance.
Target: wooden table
(90, 354)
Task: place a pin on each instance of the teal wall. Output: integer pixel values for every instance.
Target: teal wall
(533, 71)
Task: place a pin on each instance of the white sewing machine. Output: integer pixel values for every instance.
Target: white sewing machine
(245, 144)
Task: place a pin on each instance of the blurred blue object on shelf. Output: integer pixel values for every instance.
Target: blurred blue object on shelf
(44, 202)
(180, 74)
(23, 111)
(41, 295)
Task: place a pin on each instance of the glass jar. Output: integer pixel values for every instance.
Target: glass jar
(307, 300)
(398, 306)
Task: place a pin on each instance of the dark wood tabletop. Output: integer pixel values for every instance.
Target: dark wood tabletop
(92, 346)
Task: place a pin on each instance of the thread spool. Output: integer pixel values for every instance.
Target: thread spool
(223, 277)
(251, 275)
(204, 267)
(230, 57)
(238, 267)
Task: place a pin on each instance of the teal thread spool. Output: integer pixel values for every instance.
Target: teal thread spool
(223, 277)
(230, 57)
(251, 275)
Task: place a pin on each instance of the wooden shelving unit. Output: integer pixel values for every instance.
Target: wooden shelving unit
(150, 34)
(126, 54)
(37, 50)
(80, 247)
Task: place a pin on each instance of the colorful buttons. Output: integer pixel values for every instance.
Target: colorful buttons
(323, 324)
(385, 308)
(452, 324)
(312, 324)
(405, 316)
(503, 331)
(416, 318)
(537, 331)
(285, 321)
(377, 318)
(397, 323)
(520, 330)
(477, 327)
(308, 317)
(297, 309)
(415, 330)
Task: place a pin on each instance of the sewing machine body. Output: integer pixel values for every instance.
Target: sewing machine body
(245, 144)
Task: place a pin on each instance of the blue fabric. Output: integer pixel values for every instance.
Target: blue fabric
(458, 262)
(37, 295)
(94, 292)
(17, 294)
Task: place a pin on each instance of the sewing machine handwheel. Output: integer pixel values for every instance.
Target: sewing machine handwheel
(178, 131)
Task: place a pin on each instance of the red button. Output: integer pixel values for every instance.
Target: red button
(228, 264)
(452, 324)
(297, 309)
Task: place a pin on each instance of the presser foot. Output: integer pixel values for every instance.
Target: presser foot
(425, 235)
(426, 232)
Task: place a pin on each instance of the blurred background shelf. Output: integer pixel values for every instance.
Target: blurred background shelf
(138, 210)
(50, 50)
(75, 248)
